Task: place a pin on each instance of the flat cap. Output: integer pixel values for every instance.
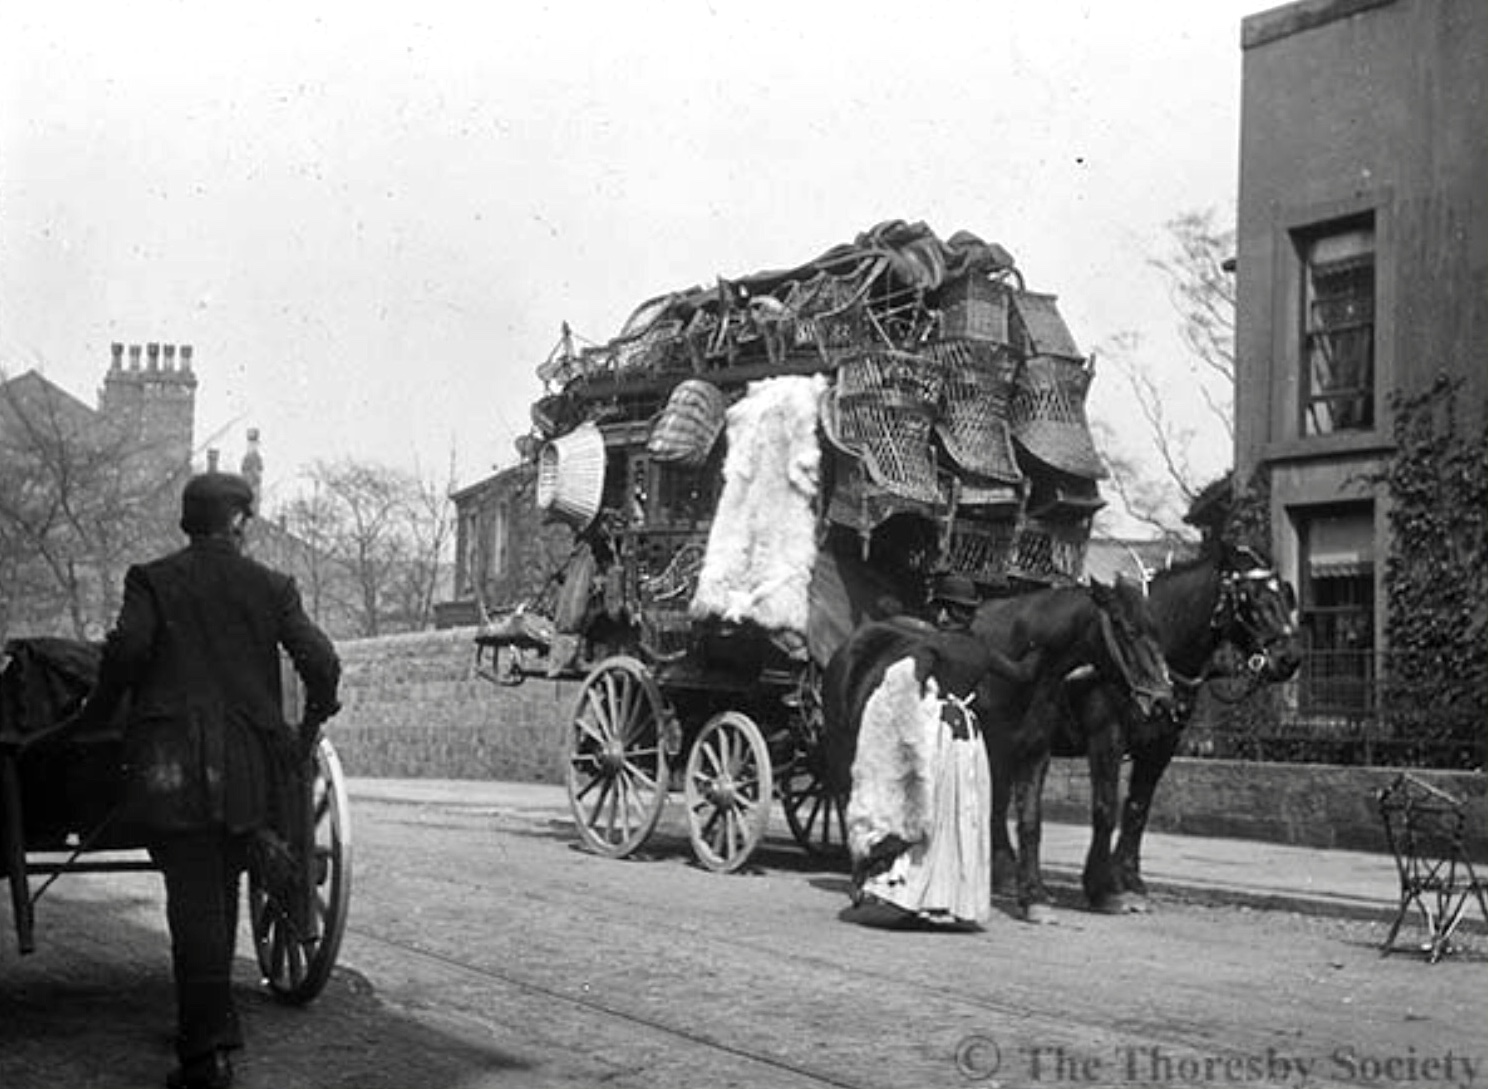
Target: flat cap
(209, 501)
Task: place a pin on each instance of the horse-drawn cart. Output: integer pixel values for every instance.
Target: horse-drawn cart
(60, 789)
(752, 469)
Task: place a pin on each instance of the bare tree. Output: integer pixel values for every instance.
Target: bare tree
(1202, 291)
(78, 501)
(373, 543)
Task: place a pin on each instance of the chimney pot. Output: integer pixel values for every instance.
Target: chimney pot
(170, 357)
(152, 353)
(134, 357)
(185, 357)
(212, 456)
(116, 356)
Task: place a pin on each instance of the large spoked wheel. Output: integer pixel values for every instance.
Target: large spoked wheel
(729, 786)
(299, 919)
(817, 819)
(617, 758)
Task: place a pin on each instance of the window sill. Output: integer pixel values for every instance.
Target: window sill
(1315, 447)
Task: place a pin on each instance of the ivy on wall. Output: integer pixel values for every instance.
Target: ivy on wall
(1436, 586)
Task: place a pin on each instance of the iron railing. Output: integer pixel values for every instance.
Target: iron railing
(1351, 707)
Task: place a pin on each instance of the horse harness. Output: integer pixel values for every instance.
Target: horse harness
(1235, 620)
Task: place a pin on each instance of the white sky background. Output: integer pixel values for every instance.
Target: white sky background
(370, 221)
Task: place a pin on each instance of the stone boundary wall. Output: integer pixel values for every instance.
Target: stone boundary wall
(414, 707)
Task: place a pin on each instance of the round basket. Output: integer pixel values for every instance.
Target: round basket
(689, 425)
(1047, 416)
(570, 476)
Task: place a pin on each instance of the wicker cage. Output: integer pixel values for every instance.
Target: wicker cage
(1047, 415)
(1051, 552)
(973, 421)
(982, 551)
(882, 409)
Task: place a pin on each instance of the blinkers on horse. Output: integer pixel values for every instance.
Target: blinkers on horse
(1254, 636)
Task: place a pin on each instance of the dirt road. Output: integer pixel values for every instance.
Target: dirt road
(484, 950)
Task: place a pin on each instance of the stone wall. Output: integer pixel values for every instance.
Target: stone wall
(414, 707)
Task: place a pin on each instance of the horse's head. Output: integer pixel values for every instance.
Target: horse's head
(1254, 614)
(1129, 649)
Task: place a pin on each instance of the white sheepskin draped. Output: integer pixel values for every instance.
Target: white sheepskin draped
(762, 544)
(893, 779)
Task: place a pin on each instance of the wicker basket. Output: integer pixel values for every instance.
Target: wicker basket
(973, 307)
(570, 476)
(882, 409)
(1051, 552)
(982, 551)
(829, 311)
(689, 425)
(1047, 415)
(1037, 328)
(973, 422)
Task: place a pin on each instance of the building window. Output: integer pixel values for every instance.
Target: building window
(1337, 609)
(1338, 327)
(500, 532)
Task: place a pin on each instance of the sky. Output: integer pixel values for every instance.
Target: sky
(370, 221)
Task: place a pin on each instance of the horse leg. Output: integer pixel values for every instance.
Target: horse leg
(1028, 793)
(1149, 761)
(1004, 858)
(1100, 879)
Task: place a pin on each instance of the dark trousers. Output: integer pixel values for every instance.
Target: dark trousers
(202, 872)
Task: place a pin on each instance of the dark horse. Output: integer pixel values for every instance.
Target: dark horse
(1103, 630)
(1226, 614)
(1123, 654)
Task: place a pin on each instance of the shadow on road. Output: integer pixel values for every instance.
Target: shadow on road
(94, 1006)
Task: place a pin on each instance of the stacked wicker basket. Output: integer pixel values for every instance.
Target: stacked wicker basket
(957, 396)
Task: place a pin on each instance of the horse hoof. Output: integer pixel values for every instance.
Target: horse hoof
(1121, 903)
(1040, 915)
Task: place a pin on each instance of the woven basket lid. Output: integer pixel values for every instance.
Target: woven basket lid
(1047, 415)
(689, 425)
(570, 476)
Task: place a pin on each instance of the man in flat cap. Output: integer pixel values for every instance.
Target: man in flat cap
(206, 748)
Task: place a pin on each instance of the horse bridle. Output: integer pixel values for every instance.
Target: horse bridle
(1234, 619)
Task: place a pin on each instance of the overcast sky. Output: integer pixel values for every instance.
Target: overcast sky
(371, 220)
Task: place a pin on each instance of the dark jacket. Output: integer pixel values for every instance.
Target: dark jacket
(196, 650)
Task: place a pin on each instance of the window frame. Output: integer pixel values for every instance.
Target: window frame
(1356, 404)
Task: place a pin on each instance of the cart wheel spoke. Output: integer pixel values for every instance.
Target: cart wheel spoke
(617, 770)
(728, 775)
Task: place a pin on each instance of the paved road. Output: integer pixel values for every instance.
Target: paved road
(485, 951)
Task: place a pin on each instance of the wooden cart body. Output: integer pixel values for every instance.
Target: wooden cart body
(60, 795)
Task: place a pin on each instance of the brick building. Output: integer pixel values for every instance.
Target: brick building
(117, 470)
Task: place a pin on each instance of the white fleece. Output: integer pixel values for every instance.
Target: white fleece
(893, 782)
(762, 544)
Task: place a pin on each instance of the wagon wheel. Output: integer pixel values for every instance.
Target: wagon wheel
(297, 944)
(728, 786)
(816, 818)
(617, 757)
